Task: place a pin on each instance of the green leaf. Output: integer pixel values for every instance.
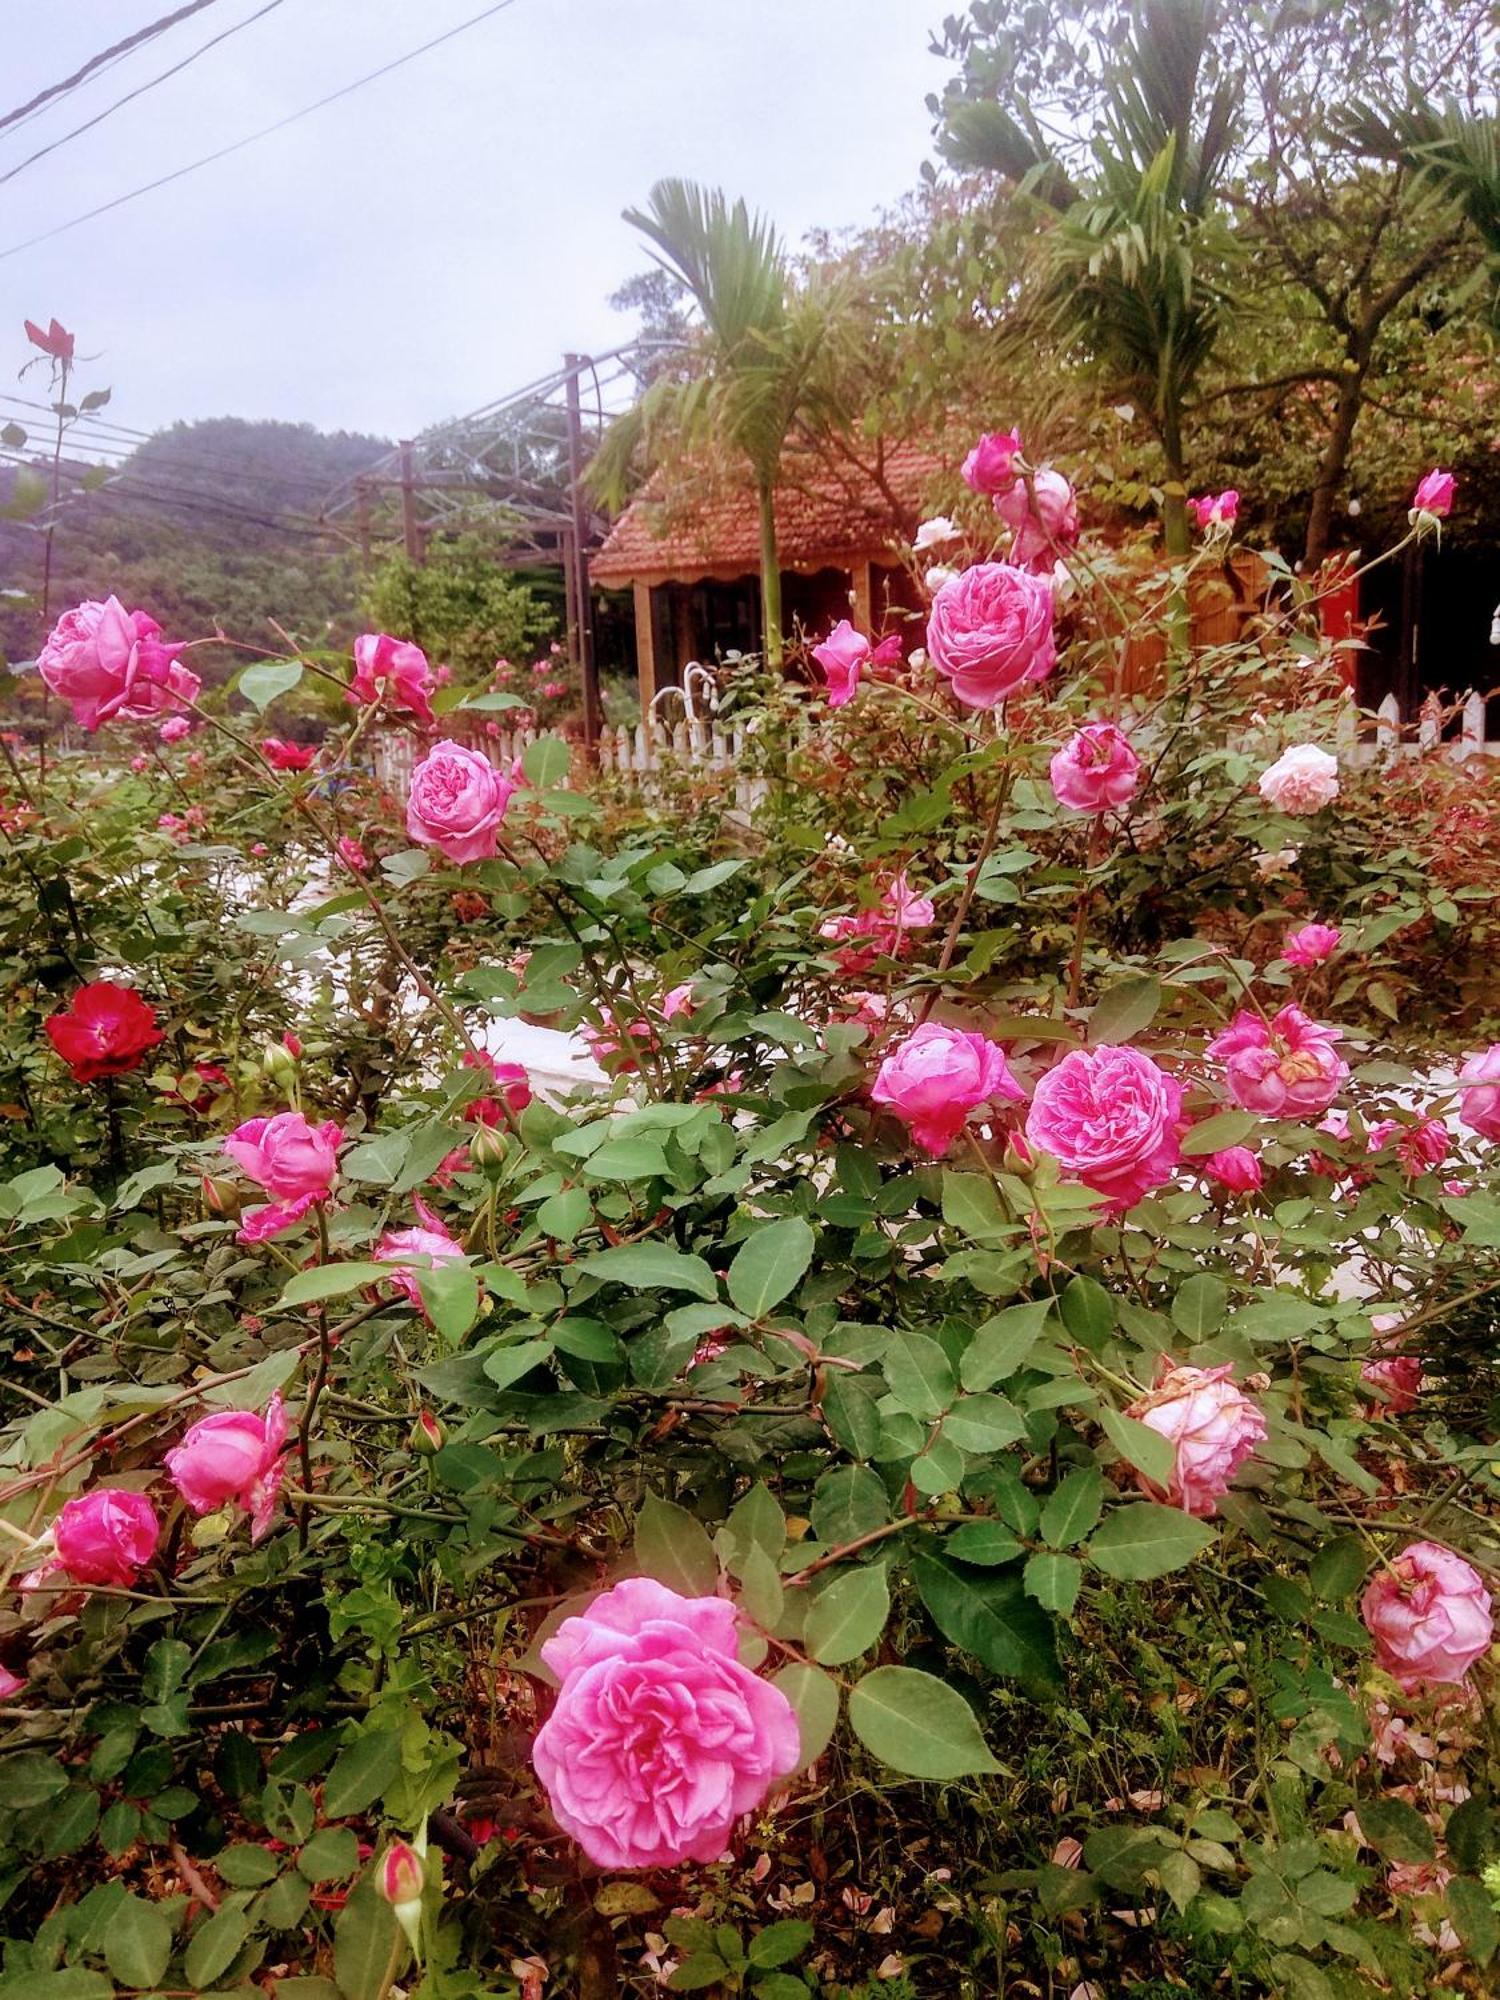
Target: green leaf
(265, 682)
(638, 1156)
(1147, 1450)
(1219, 1133)
(1073, 1510)
(1474, 1918)
(1143, 1540)
(31, 1777)
(361, 1773)
(646, 1267)
(1338, 1569)
(1054, 1582)
(330, 1854)
(137, 1942)
(917, 1724)
(918, 1373)
(672, 1546)
(450, 1292)
(769, 1265)
(755, 1522)
(546, 763)
(847, 1616)
(814, 1699)
(779, 1943)
(562, 1215)
(1125, 1010)
(72, 1983)
(247, 1865)
(850, 1410)
(216, 1945)
(983, 1423)
(1087, 1311)
(367, 1942)
(1199, 1306)
(987, 1543)
(988, 1614)
(972, 1206)
(1396, 1830)
(761, 1594)
(328, 1281)
(1002, 1343)
(848, 1502)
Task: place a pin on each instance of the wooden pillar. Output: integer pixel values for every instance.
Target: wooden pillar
(862, 591)
(645, 643)
(582, 589)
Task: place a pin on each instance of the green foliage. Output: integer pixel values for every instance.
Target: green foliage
(460, 608)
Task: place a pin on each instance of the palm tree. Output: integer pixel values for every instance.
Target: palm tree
(756, 365)
(1131, 270)
(1451, 153)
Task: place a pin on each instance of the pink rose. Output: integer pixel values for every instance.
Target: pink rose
(899, 911)
(990, 632)
(106, 1536)
(843, 656)
(108, 663)
(660, 1740)
(353, 855)
(1042, 515)
(233, 1459)
(287, 1156)
(1311, 945)
(1396, 1380)
(414, 1250)
(275, 1218)
(989, 467)
(1429, 1615)
(937, 1077)
(401, 1876)
(457, 801)
(1302, 780)
(10, 1684)
(1434, 494)
(1095, 770)
(395, 669)
(1237, 1169)
(1212, 1426)
(174, 729)
(1479, 1092)
(1285, 1068)
(1215, 510)
(510, 1079)
(678, 1001)
(1419, 1147)
(283, 756)
(1112, 1119)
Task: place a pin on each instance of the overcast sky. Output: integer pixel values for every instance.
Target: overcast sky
(445, 233)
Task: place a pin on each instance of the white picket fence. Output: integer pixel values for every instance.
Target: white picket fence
(1392, 738)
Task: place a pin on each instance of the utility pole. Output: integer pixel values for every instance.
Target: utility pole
(411, 528)
(579, 564)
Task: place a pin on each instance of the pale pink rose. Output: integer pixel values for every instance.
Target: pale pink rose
(660, 1740)
(1302, 780)
(1215, 510)
(936, 575)
(287, 1156)
(1095, 769)
(110, 664)
(274, 1218)
(939, 1076)
(457, 801)
(395, 669)
(1042, 515)
(1429, 1615)
(1285, 1068)
(678, 1001)
(990, 466)
(174, 729)
(1237, 1169)
(1110, 1118)
(10, 1684)
(233, 1459)
(409, 1251)
(1212, 1426)
(934, 533)
(1479, 1092)
(105, 1536)
(844, 655)
(989, 632)
(1312, 944)
(1434, 494)
(353, 855)
(1396, 1379)
(1419, 1147)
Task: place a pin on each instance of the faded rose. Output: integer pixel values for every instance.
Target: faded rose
(1429, 1615)
(1302, 780)
(1479, 1092)
(283, 756)
(1215, 510)
(989, 632)
(1287, 1067)
(395, 670)
(457, 801)
(1212, 1426)
(1095, 769)
(659, 1740)
(1042, 515)
(409, 1251)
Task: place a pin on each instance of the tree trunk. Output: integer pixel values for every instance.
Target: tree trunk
(1174, 519)
(1332, 467)
(770, 578)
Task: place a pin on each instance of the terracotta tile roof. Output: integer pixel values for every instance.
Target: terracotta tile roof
(824, 516)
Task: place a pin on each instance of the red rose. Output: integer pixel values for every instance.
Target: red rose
(55, 340)
(104, 1032)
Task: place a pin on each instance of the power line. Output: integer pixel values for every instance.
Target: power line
(105, 56)
(265, 132)
(139, 91)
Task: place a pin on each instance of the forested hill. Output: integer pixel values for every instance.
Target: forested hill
(206, 522)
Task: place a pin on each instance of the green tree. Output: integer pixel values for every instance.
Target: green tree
(458, 606)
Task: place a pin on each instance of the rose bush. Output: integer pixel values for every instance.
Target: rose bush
(985, 1415)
